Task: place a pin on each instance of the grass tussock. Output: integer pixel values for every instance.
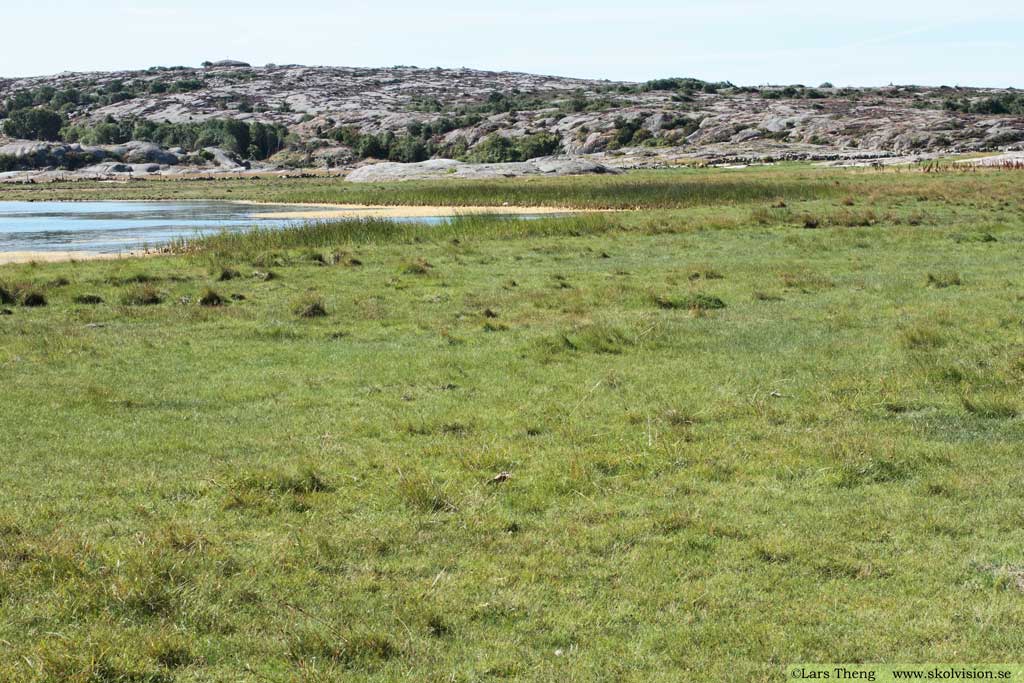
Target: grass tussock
(690, 302)
(991, 408)
(922, 337)
(310, 306)
(303, 480)
(88, 299)
(601, 338)
(211, 299)
(424, 493)
(23, 294)
(944, 279)
(418, 267)
(367, 650)
(142, 295)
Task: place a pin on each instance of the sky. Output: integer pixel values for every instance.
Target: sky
(862, 42)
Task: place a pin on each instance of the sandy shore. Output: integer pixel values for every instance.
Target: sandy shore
(9, 257)
(328, 211)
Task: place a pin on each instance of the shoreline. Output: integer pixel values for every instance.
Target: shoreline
(302, 212)
(10, 258)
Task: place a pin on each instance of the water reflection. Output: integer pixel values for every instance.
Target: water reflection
(111, 227)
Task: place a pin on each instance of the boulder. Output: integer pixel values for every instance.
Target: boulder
(148, 152)
(107, 168)
(225, 159)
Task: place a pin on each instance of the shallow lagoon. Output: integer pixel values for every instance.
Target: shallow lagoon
(110, 227)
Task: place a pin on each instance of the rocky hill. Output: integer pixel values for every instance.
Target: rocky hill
(301, 116)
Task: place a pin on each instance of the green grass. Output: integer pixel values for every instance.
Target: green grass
(826, 467)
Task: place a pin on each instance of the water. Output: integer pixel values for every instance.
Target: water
(112, 227)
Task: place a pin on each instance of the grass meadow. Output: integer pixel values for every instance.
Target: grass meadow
(764, 417)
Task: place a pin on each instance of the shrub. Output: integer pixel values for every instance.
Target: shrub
(34, 124)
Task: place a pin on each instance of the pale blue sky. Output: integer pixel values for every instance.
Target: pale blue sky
(862, 42)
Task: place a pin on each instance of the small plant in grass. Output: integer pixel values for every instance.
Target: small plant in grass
(693, 302)
(304, 480)
(437, 626)
(418, 267)
(310, 306)
(270, 260)
(425, 494)
(315, 257)
(993, 409)
(32, 298)
(349, 651)
(595, 338)
(922, 337)
(210, 299)
(945, 279)
(142, 295)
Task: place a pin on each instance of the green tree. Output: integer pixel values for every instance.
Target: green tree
(34, 124)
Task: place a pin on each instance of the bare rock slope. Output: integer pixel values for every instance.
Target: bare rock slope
(337, 117)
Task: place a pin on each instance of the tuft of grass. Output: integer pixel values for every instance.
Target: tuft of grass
(991, 408)
(418, 267)
(425, 494)
(310, 306)
(691, 302)
(32, 298)
(88, 299)
(211, 298)
(7, 296)
(922, 337)
(874, 470)
(302, 481)
(361, 650)
(944, 279)
(805, 280)
(227, 274)
(599, 338)
(142, 295)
